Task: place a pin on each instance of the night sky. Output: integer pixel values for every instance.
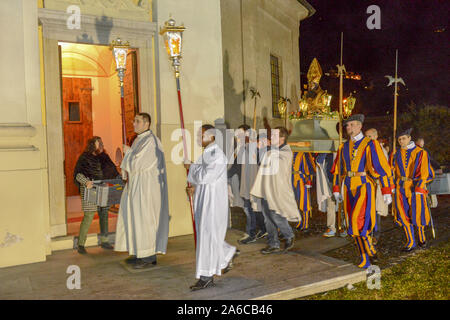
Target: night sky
(418, 29)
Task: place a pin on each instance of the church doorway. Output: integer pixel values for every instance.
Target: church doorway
(91, 106)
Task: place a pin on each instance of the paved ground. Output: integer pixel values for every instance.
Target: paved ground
(285, 276)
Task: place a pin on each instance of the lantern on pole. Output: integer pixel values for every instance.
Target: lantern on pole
(120, 51)
(348, 104)
(173, 40)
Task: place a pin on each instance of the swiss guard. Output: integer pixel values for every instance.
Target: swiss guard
(303, 168)
(412, 171)
(361, 161)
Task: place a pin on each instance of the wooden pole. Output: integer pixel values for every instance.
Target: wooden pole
(122, 110)
(394, 139)
(254, 114)
(180, 106)
(341, 88)
(395, 103)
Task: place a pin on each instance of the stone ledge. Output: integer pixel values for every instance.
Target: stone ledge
(316, 287)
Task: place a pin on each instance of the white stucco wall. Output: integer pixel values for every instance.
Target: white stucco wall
(252, 30)
(201, 88)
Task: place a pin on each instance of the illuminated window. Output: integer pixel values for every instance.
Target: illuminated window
(275, 79)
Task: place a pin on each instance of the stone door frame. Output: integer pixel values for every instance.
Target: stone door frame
(96, 30)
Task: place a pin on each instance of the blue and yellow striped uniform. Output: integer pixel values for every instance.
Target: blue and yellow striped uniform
(303, 169)
(361, 162)
(412, 171)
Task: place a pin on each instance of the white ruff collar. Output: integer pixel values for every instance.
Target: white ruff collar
(358, 137)
(411, 145)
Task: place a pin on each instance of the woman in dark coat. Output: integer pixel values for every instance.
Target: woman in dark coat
(93, 164)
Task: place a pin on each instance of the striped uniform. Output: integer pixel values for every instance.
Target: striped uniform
(303, 168)
(362, 161)
(412, 171)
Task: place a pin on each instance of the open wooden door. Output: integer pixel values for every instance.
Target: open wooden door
(131, 95)
(77, 124)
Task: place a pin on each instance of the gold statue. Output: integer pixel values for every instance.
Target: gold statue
(315, 101)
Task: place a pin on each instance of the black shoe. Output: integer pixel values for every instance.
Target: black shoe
(423, 245)
(141, 264)
(201, 284)
(407, 249)
(107, 246)
(82, 250)
(374, 259)
(269, 250)
(260, 235)
(131, 260)
(289, 244)
(230, 264)
(247, 240)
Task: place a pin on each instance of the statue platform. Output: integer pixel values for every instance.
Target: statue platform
(318, 134)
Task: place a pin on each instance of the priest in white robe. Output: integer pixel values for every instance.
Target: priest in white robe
(208, 176)
(143, 221)
(273, 185)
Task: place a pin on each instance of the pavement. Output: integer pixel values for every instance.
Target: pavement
(301, 272)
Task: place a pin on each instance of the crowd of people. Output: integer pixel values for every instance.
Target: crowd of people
(273, 186)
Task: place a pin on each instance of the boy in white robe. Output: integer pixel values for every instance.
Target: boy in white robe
(208, 176)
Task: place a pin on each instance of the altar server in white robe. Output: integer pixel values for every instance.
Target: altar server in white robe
(208, 176)
(143, 221)
(273, 185)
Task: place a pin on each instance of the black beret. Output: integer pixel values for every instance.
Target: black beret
(354, 117)
(404, 132)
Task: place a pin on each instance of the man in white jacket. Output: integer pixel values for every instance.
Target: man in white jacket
(208, 176)
(273, 185)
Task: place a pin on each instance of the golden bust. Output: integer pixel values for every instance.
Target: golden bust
(315, 101)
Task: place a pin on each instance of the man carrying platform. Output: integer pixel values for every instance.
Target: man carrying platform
(303, 168)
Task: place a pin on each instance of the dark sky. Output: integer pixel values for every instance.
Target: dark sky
(407, 25)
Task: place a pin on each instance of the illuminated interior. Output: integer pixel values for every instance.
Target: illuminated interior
(97, 63)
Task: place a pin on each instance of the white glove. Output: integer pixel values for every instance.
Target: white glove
(387, 198)
(337, 196)
(308, 186)
(393, 191)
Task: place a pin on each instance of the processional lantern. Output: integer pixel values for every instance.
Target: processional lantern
(173, 39)
(120, 52)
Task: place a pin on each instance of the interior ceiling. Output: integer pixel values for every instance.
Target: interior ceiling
(89, 60)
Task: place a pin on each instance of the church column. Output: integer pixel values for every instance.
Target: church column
(24, 235)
